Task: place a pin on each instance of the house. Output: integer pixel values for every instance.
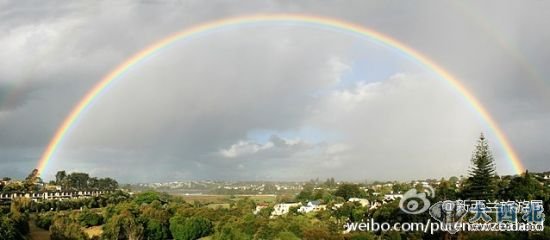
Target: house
(259, 208)
(283, 208)
(337, 205)
(391, 197)
(52, 187)
(364, 202)
(375, 205)
(312, 206)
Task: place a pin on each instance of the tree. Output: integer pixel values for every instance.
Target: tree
(330, 183)
(88, 218)
(147, 197)
(123, 226)
(349, 211)
(64, 228)
(107, 184)
(525, 187)
(481, 183)
(287, 236)
(78, 181)
(317, 232)
(400, 187)
(155, 229)
(306, 193)
(31, 180)
(189, 228)
(349, 190)
(8, 229)
(156, 220)
(229, 231)
(60, 176)
(446, 190)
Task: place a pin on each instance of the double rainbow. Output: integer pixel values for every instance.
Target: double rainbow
(101, 86)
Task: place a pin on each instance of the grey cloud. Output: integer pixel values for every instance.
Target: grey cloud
(168, 118)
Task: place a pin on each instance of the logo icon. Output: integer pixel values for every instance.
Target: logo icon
(449, 213)
(414, 202)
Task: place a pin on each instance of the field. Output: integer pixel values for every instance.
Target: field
(225, 199)
(36, 233)
(93, 231)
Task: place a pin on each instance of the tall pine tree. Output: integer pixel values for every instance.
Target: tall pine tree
(481, 183)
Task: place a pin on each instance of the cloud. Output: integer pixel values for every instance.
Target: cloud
(275, 144)
(244, 147)
(189, 110)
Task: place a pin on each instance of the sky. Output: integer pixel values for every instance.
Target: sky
(272, 101)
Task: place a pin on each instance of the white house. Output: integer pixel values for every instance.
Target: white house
(391, 197)
(337, 205)
(259, 208)
(283, 208)
(364, 202)
(375, 205)
(312, 206)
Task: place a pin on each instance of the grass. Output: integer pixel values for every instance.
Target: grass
(223, 199)
(218, 205)
(37, 233)
(206, 198)
(93, 231)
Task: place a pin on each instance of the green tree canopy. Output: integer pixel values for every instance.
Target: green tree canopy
(349, 190)
(526, 187)
(481, 183)
(183, 228)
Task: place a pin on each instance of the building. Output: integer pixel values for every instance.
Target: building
(283, 208)
(364, 202)
(259, 208)
(6, 198)
(312, 206)
(391, 197)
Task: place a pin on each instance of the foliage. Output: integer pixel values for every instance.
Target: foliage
(88, 218)
(183, 228)
(481, 183)
(44, 220)
(156, 220)
(153, 215)
(306, 194)
(156, 230)
(446, 190)
(124, 223)
(350, 211)
(19, 218)
(525, 187)
(65, 228)
(287, 236)
(147, 197)
(8, 229)
(31, 180)
(349, 190)
(83, 181)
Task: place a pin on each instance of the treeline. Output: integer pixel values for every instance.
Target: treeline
(148, 215)
(83, 181)
(76, 181)
(14, 219)
(152, 215)
(14, 224)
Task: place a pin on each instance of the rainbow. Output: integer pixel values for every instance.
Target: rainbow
(377, 37)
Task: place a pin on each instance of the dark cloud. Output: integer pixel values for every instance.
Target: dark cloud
(176, 114)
